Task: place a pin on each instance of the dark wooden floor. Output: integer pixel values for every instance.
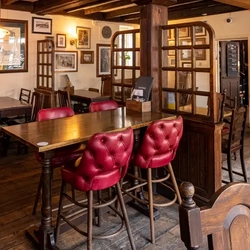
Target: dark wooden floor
(18, 183)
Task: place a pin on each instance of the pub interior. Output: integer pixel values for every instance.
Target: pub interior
(68, 72)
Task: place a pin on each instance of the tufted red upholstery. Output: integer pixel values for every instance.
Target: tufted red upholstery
(159, 144)
(62, 155)
(104, 105)
(68, 153)
(54, 113)
(104, 161)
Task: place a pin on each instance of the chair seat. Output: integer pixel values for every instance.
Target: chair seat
(66, 154)
(101, 181)
(225, 130)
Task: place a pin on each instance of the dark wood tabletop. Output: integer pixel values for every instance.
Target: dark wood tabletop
(71, 130)
(64, 132)
(85, 96)
(12, 107)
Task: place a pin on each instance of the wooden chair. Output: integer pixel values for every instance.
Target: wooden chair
(63, 98)
(235, 141)
(25, 95)
(225, 220)
(37, 102)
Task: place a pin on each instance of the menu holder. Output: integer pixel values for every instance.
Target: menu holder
(142, 90)
(138, 106)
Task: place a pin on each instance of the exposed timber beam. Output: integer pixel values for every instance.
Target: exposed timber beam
(122, 12)
(245, 4)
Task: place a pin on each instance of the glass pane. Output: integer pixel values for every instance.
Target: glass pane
(185, 102)
(202, 82)
(199, 31)
(202, 57)
(202, 105)
(168, 79)
(168, 100)
(183, 32)
(137, 58)
(117, 93)
(171, 61)
(184, 80)
(184, 55)
(127, 92)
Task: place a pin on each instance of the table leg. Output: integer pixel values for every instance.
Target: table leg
(138, 192)
(44, 237)
(6, 142)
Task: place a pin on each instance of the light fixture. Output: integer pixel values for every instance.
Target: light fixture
(72, 42)
(3, 32)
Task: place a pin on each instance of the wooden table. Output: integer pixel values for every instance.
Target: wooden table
(85, 96)
(12, 107)
(75, 129)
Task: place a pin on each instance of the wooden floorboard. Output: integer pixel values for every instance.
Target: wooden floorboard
(18, 184)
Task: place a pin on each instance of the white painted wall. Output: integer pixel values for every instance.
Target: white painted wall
(10, 83)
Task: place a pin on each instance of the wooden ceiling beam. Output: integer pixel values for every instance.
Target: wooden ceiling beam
(122, 12)
(106, 6)
(8, 2)
(55, 6)
(175, 14)
(245, 4)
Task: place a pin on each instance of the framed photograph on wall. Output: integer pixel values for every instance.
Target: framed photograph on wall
(199, 31)
(60, 40)
(103, 59)
(83, 38)
(66, 61)
(87, 57)
(183, 31)
(41, 25)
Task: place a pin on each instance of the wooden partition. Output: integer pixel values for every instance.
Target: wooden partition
(185, 85)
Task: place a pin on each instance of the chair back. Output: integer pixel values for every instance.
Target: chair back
(63, 98)
(25, 95)
(225, 220)
(37, 102)
(104, 105)
(54, 113)
(159, 143)
(93, 90)
(237, 129)
(105, 159)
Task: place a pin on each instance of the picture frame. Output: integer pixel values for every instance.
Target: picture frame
(87, 57)
(171, 61)
(14, 52)
(186, 65)
(171, 43)
(41, 25)
(66, 61)
(200, 54)
(183, 32)
(186, 53)
(83, 38)
(199, 31)
(103, 60)
(60, 40)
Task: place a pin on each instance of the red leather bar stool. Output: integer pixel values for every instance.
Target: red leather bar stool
(104, 105)
(157, 150)
(62, 155)
(104, 163)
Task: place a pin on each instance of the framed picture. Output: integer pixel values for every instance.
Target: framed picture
(183, 32)
(185, 53)
(171, 43)
(66, 61)
(14, 46)
(103, 59)
(200, 54)
(199, 31)
(186, 64)
(87, 57)
(60, 40)
(171, 61)
(83, 38)
(41, 25)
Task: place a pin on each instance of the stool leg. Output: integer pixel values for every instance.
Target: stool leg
(170, 169)
(90, 220)
(151, 208)
(125, 215)
(38, 192)
(60, 208)
(229, 165)
(243, 164)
